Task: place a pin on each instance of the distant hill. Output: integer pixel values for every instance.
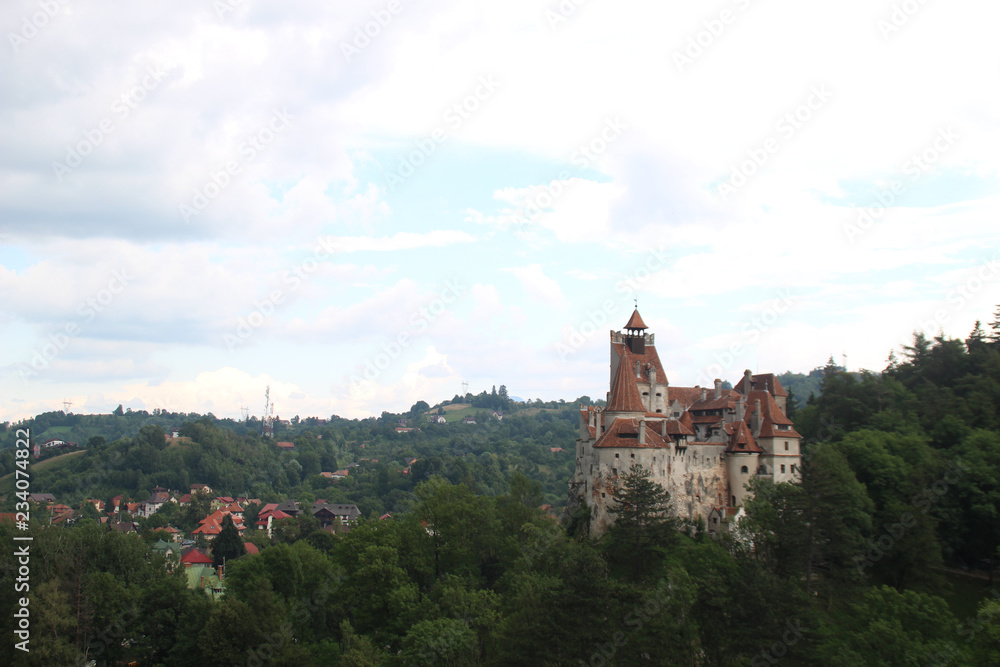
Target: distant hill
(802, 385)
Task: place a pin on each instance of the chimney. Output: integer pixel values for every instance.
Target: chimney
(718, 388)
(652, 390)
(663, 428)
(642, 431)
(755, 419)
(747, 382)
(704, 392)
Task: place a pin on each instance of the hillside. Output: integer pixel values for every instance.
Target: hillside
(129, 454)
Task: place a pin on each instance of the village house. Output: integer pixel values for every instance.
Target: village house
(328, 514)
(268, 515)
(159, 497)
(52, 444)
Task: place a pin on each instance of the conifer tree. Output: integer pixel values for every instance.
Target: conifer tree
(228, 544)
(995, 329)
(643, 521)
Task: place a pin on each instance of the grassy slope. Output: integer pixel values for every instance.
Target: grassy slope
(56, 462)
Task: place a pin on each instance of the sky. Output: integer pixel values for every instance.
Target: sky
(362, 205)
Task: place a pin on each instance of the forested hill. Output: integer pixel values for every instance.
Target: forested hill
(127, 452)
(883, 555)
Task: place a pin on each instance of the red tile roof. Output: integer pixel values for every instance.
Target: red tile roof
(624, 390)
(706, 419)
(635, 322)
(741, 441)
(675, 427)
(763, 382)
(648, 359)
(686, 396)
(625, 433)
(275, 515)
(194, 556)
(208, 528)
(728, 399)
(251, 548)
(686, 420)
(771, 416)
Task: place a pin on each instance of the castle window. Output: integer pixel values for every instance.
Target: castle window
(616, 456)
(786, 445)
(782, 469)
(614, 471)
(632, 455)
(602, 495)
(793, 468)
(744, 470)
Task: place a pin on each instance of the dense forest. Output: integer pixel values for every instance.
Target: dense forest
(885, 554)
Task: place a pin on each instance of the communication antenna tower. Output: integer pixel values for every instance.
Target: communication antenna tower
(245, 411)
(843, 356)
(465, 388)
(267, 422)
(66, 406)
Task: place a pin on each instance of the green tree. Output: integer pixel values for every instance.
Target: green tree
(835, 511)
(442, 641)
(643, 522)
(887, 628)
(152, 436)
(227, 544)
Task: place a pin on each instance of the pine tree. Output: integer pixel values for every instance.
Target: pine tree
(790, 406)
(995, 329)
(227, 544)
(977, 338)
(643, 521)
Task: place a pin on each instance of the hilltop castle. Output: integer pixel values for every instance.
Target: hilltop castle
(702, 444)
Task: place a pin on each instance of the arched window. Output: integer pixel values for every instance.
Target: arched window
(744, 470)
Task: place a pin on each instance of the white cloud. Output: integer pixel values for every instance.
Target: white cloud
(538, 285)
(440, 238)
(654, 184)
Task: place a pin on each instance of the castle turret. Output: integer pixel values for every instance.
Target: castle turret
(636, 336)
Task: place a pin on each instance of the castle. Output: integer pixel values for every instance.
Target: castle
(701, 444)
